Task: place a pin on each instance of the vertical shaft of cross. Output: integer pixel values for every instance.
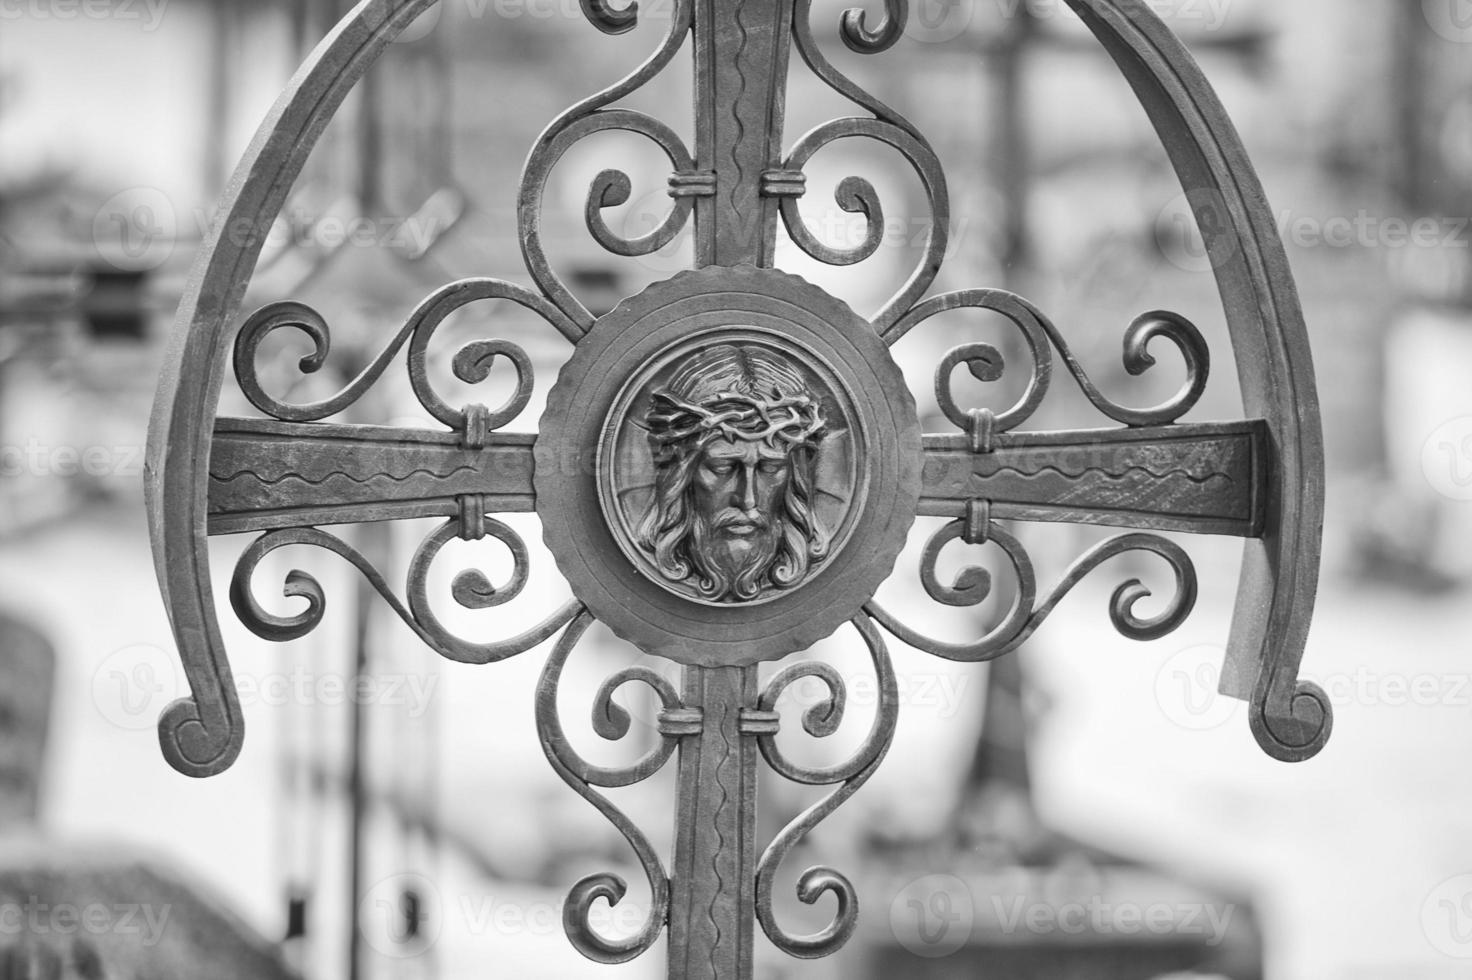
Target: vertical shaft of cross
(741, 55)
(713, 879)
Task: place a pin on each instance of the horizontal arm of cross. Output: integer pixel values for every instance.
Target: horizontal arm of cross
(1207, 478)
(267, 474)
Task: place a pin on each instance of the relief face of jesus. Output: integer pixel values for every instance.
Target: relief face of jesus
(734, 434)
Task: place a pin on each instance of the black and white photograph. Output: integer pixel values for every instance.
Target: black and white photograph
(735, 489)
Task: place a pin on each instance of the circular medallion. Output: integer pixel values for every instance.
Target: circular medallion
(728, 466)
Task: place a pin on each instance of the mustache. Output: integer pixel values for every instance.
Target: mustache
(731, 516)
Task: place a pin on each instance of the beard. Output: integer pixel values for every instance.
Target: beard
(730, 566)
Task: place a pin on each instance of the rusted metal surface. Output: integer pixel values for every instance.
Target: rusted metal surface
(729, 462)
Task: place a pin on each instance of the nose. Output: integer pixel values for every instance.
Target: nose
(748, 487)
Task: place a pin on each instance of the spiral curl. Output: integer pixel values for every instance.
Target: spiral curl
(857, 196)
(610, 19)
(974, 584)
(820, 721)
(1042, 338)
(472, 363)
(610, 721)
(856, 35)
(853, 27)
(609, 188)
(470, 589)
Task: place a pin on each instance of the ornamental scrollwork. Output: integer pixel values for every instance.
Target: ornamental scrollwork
(730, 462)
(470, 588)
(973, 585)
(609, 188)
(472, 364)
(611, 722)
(820, 721)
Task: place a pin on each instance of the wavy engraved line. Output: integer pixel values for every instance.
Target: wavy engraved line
(735, 106)
(715, 860)
(1113, 474)
(397, 477)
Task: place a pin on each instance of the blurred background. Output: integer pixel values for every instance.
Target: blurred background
(1089, 808)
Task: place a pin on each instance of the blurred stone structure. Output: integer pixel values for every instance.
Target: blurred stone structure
(1011, 899)
(78, 914)
(27, 673)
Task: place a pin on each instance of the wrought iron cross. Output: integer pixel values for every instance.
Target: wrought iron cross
(730, 461)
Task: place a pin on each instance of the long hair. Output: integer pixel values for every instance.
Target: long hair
(742, 392)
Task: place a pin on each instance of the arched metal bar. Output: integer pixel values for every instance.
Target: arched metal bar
(202, 735)
(1275, 598)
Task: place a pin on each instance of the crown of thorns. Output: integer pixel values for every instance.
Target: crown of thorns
(781, 420)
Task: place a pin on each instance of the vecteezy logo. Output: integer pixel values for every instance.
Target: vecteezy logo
(636, 698)
(1450, 19)
(1446, 917)
(646, 216)
(1193, 234)
(135, 229)
(422, 27)
(1446, 459)
(1186, 689)
(132, 686)
(938, 21)
(933, 916)
(401, 916)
